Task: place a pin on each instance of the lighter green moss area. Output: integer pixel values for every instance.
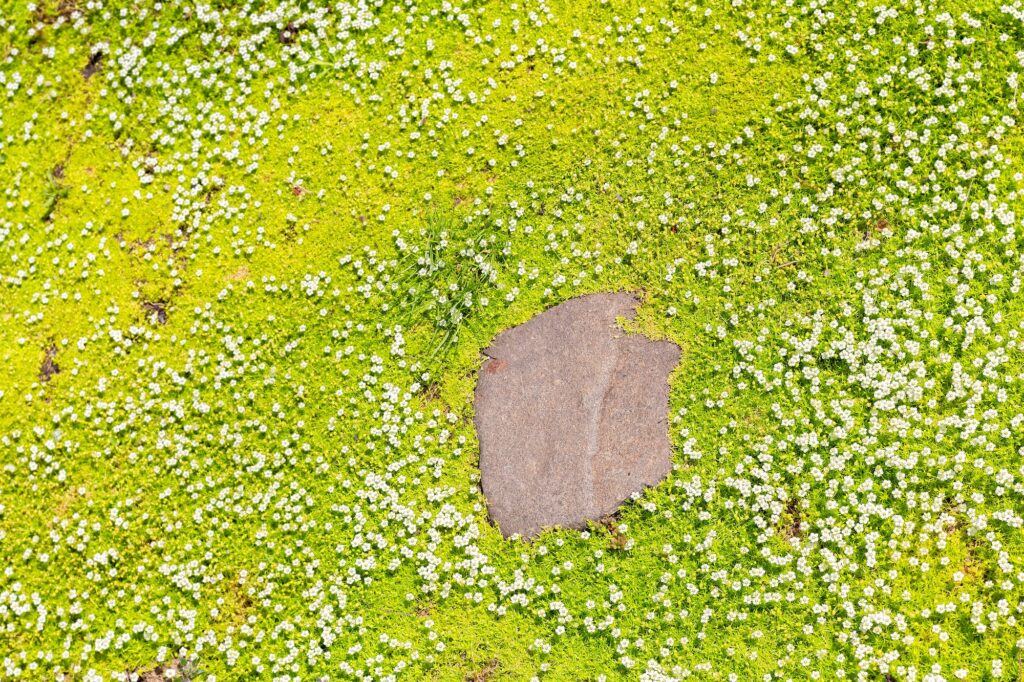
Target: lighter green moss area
(262, 248)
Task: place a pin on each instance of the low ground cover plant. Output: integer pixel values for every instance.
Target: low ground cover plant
(250, 253)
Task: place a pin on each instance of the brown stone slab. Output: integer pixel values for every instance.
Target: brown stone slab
(571, 414)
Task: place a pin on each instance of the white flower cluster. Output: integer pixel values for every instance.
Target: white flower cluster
(250, 253)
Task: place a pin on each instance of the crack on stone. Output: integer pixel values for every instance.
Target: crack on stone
(597, 422)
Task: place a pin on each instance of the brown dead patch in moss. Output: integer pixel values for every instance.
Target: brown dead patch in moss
(48, 13)
(240, 274)
(617, 540)
(49, 366)
(793, 520)
(94, 64)
(156, 311)
(485, 673)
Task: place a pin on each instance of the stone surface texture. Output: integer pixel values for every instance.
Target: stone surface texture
(571, 414)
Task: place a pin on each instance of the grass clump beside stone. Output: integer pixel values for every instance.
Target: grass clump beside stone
(250, 253)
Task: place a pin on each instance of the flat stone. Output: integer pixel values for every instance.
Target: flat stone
(571, 414)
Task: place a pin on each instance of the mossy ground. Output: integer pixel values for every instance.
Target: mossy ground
(229, 446)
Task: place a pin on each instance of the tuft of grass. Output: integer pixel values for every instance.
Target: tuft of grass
(445, 275)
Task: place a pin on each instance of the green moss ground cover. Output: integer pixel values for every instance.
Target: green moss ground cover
(249, 255)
